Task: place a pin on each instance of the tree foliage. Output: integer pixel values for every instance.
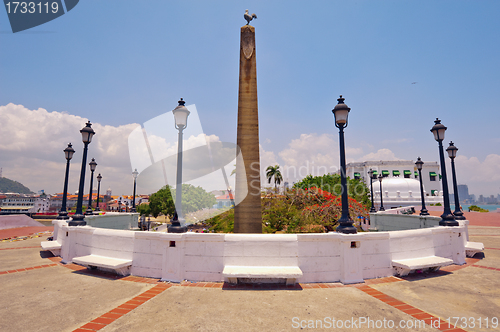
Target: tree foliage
(297, 211)
(144, 209)
(356, 188)
(162, 202)
(274, 172)
(193, 199)
(11, 186)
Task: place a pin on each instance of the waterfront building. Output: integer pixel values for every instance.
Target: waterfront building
(13, 203)
(401, 185)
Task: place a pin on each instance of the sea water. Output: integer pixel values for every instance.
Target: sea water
(465, 207)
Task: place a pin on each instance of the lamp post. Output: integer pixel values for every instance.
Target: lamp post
(452, 153)
(420, 163)
(370, 172)
(380, 177)
(68, 153)
(181, 114)
(341, 113)
(99, 178)
(92, 165)
(134, 174)
(447, 218)
(87, 134)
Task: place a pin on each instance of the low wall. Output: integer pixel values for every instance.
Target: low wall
(329, 257)
(113, 220)
(381, 221)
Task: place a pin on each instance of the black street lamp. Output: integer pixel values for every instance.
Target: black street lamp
(87, 134)
(452, 153)
(181, 114)
(380, 177)
(370, 173)
(68, 153)
(99, 178)
(341, 113)
(419, 164)
(134, 174)
(447, 218)
(92, 165)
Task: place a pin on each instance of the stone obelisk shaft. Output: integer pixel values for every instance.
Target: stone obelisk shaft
(248, 213)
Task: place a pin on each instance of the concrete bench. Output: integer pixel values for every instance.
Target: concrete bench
(253, 258)
(404, 266)
(53, 246)
(414, 250)
(120, 266)
(290, 273)
(472, 248)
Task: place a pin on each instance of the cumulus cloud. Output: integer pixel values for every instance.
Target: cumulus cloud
(32, 144)
(310, 154)
(381, 154)
(482, 177)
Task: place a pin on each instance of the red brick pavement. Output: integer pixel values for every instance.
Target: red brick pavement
(23, 231)
(490, 219)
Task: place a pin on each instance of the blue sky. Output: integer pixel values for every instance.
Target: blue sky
(119, 62)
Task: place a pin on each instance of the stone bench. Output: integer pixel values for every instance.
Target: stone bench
(419, 249)
(120, 266)
(250, 258)
(404, 266)
(53, 246)
(472, 248)
(264, 273)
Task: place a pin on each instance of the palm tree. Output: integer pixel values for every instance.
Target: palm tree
(274, 171)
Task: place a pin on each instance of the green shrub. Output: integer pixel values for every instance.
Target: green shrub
(297, 211)
(477, 209)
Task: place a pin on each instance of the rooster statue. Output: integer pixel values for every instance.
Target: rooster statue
(249, 17)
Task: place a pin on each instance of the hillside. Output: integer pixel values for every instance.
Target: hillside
(10, 186)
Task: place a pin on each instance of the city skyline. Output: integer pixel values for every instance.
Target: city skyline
(127, 66)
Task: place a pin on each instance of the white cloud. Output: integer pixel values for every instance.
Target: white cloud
(32, 144)
(310, 154)
(381, 154)
(481, 177)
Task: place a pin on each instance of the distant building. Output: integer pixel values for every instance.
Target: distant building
(42, 204)
(13, 203)
(400, 184)
(224, 200)
(463, 193)
(56, 202)
(406, 169)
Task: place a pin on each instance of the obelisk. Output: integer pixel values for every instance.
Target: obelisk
(248, 213)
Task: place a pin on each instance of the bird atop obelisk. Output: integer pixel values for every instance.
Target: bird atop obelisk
(249, 17)
(248, 212)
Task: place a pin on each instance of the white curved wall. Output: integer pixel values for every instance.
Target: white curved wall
(331, 257)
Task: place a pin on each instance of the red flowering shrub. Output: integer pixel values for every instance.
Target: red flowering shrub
(297, 211)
